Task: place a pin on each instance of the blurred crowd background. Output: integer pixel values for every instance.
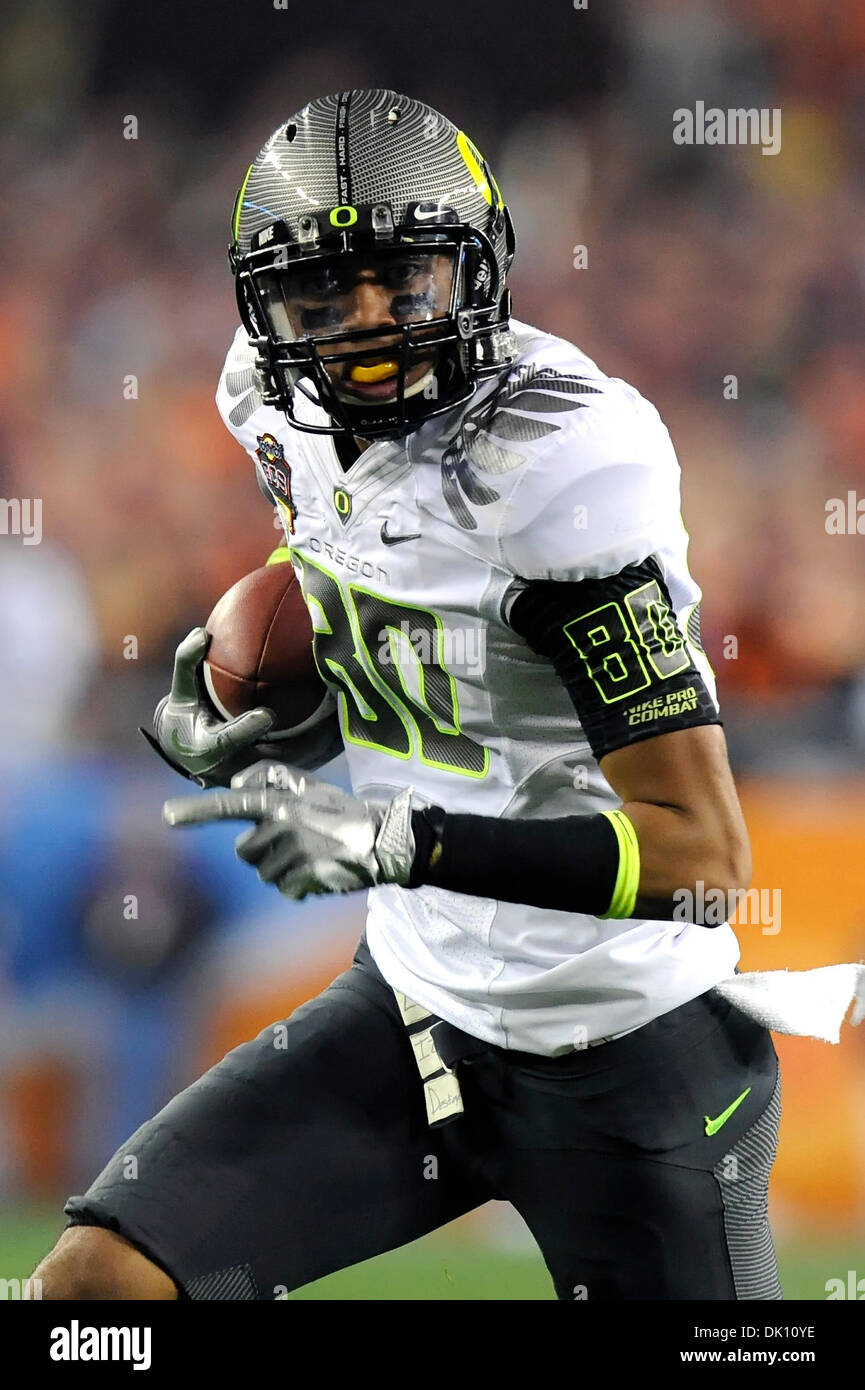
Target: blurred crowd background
(727, 285)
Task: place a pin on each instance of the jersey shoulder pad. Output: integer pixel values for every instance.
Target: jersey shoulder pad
(598, 485)
(238, 398)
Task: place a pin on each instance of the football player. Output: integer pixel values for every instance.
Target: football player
(487, 532)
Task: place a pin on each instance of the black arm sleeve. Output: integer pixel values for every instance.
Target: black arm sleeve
(618, 650)
(570, 864)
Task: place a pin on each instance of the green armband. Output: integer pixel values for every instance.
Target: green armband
(628, 876)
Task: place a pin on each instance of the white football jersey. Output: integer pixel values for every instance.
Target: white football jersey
(409, 562)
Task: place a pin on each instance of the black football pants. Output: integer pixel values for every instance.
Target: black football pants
(308, 1149)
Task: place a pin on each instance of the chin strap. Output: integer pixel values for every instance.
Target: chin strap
(420, 385)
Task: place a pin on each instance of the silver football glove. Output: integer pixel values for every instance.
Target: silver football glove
(189, 735)
(310, 836)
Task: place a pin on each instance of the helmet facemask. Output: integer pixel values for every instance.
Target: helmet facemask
(441, 307)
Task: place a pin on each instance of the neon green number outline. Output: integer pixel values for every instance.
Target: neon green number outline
(366, 660)
(612, 608)
(344, 680)
(653, 599)
(413, 727)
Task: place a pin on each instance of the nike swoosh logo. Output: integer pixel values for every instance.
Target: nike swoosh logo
(389, 539)
(712, 1126)
(425, 216)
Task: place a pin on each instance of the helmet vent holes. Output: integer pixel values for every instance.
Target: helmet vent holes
(290, 131)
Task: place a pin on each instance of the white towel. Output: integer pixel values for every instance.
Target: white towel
(808, 1003)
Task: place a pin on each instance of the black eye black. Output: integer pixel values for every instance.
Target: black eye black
(315, 319)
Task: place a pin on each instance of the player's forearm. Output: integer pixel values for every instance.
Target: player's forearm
(681, 848)
(678, 793)
(629, 866)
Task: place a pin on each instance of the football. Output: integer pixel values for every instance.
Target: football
(260, 650)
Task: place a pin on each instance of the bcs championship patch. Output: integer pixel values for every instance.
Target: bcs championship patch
(271, 456)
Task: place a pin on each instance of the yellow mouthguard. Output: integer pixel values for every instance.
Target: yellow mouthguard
(376, 373)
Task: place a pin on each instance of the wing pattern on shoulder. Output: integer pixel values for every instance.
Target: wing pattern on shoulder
(488, 433)
(243, 383)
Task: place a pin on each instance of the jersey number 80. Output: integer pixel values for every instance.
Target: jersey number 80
(356, 634)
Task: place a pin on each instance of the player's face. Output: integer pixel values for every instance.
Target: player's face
(383, 290)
